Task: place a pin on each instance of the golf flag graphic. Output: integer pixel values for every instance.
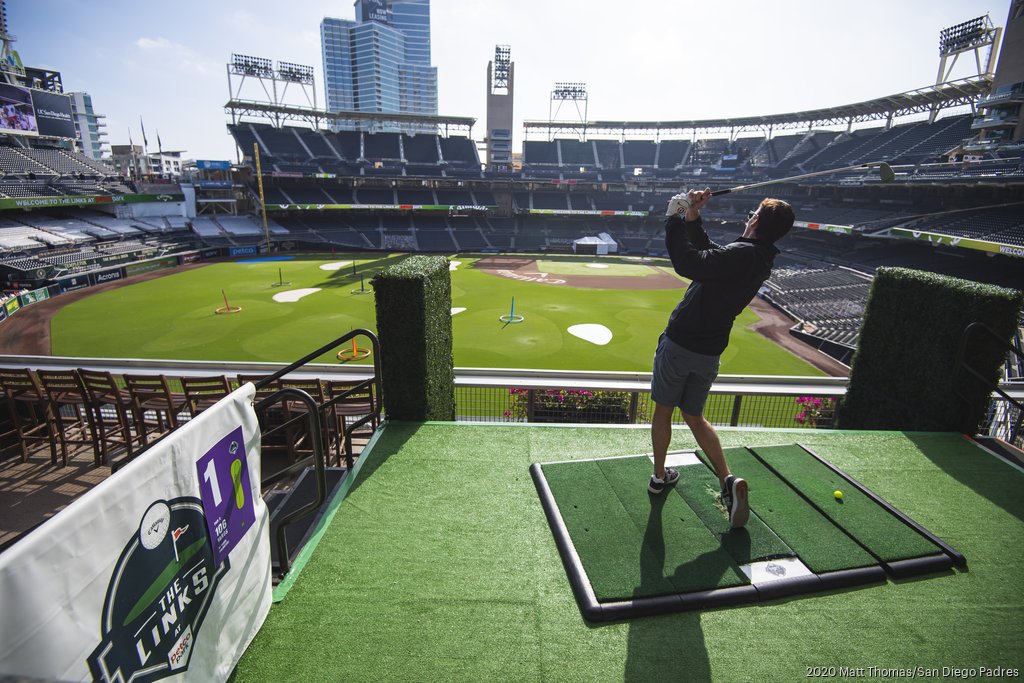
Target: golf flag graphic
(176, 535)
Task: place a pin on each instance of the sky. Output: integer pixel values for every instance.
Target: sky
(658, 60)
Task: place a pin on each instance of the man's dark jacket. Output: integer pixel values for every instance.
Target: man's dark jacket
(724, 280)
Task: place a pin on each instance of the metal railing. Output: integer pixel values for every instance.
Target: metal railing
(490, 395)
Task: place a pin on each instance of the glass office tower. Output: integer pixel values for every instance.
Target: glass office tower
(381, 61)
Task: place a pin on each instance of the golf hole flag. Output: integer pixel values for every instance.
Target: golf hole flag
(160, 572)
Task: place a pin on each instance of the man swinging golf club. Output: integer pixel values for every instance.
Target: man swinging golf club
(724, 280)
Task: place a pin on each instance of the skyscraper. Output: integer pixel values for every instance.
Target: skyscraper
(381, 61)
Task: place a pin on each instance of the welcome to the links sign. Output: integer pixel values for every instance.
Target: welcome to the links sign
(160, 572)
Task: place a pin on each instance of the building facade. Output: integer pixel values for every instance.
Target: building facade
(91, 127)
(380, 62)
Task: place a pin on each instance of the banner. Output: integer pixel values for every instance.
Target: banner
(962, 242)
(160, 572)
(214, 184)
(106, 276)
(86, 200)
(72, 283)
(241, 251)
(35, 296)
(823, 227)
(582, 212)
(12, 305)
(149, 266)
(213, 165)
(393, 207)
(53, 114)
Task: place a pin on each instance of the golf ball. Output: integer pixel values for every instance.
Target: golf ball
(838, 495)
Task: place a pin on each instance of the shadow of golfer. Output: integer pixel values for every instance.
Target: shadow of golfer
(672, 646)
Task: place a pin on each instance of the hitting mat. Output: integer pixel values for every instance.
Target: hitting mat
(629, 553)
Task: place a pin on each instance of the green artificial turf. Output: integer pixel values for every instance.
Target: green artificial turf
(439, 565)
(172, 317)
(699, 487)
(877, 530)
(633, 545)
(819, 543)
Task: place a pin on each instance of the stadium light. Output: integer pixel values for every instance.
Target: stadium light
(502, 65)
(252, 66)
(569, 91)
(296, 73)
(964, 36)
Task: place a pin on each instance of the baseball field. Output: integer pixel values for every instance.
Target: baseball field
(579, 313)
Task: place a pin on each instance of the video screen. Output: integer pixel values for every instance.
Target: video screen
(17, 114)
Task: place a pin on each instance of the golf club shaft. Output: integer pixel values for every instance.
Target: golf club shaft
(796, 177)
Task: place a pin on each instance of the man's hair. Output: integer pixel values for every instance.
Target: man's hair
(774, 219)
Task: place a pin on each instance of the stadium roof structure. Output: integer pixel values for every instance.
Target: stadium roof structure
(279, 113)
(931, 99)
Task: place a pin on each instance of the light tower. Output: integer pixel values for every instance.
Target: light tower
(500, 89)
(969, 36)
(569, 92)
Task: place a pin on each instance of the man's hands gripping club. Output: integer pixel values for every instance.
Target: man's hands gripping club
(689, 204)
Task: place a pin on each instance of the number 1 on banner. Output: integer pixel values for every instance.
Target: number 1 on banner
(226, 494)
(210, 475)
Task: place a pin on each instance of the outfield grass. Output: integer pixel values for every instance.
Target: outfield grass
(173, 317)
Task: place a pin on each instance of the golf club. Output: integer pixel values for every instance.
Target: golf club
(884, 170)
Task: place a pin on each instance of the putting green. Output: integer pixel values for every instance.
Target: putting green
(173, 317)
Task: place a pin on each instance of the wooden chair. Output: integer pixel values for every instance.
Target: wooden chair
(29, 411)
(69, 408)
(273, 419)
(203, 392)
(297, 409)
(154, 405)
(349, 401)
(111, 413)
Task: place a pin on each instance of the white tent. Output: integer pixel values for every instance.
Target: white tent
(602, 244)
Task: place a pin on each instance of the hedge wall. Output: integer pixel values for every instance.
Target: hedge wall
(414, 325)
(902, 375)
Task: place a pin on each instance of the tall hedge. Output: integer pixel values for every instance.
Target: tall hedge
(902, 375)
(414, 325)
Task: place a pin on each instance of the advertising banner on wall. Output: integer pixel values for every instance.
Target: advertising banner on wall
(35, 296)
(962, 242)
(213, 165)
(72, 283)
(88, 200)
(106, 276)
(53, 114)
(160, 572)
(150, 266)
(242, 251)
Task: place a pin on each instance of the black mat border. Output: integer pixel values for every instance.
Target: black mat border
(595, 611)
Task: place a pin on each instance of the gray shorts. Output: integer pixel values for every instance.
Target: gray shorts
(682, 377)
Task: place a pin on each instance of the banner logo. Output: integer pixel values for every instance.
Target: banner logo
(158, 595)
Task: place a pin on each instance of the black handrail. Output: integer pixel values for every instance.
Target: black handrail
(316, 433)
(316, 430)
(962, 365)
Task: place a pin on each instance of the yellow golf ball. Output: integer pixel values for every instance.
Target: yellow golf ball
(838, 495)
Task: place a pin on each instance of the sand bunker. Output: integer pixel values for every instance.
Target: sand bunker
(337, 265)
(457, 310)
(597, 265)
(293, 295)
(454, 265)
(592, 332)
